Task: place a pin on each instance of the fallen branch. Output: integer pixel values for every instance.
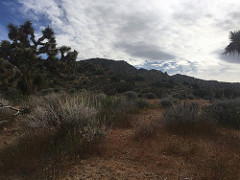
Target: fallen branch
(3, 106)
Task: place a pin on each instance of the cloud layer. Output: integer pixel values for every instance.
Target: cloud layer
(176, 36)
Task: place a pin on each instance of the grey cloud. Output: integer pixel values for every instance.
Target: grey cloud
(138, 26)
(230, 58)
(189, 12)
(230, 21)
(143, 50)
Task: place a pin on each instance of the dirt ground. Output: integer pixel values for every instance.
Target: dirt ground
(163, 157)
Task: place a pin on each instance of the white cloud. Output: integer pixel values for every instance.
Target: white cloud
(188, 31)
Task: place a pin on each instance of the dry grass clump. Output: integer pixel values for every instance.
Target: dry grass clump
(53, 111)
(145, 128)
(107, 110)
(179, 147)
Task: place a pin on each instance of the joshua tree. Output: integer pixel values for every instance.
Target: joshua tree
(64, 50)
(234, 45)
(26, 53)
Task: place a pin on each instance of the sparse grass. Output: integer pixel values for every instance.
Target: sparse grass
(219, 163)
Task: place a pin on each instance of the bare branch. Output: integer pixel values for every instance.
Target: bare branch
(3, 106)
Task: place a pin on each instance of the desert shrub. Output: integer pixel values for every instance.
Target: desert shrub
(145, 128)
(64, 126)
(165, 103)
(108, 110)
(191, 96)
(202, 93)
(185, 119)
(150, 96)
(122, 87)
(225, 113)
(59, 125)
(183, 114)
(179, 96)
(67, 117)
(113, 110)
(54, 111)
(131, 95)
(142, 103)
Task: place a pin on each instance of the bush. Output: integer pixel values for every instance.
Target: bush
(183, 114)
(142, 103)
(150, 96)
(179, 96)
(191, 96)
(202, 93)
(165, 103)
(113, 110)
(145, 128)
(225, 113)
(131, 95)
(185, 119)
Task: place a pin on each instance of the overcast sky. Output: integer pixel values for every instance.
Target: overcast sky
(177, 36)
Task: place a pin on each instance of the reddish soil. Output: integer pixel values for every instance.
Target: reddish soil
(162, 157)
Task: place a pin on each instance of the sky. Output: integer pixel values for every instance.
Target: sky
(175, 36)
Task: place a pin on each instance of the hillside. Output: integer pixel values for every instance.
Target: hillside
(109, 77)
(158, 81)
(122, 67)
